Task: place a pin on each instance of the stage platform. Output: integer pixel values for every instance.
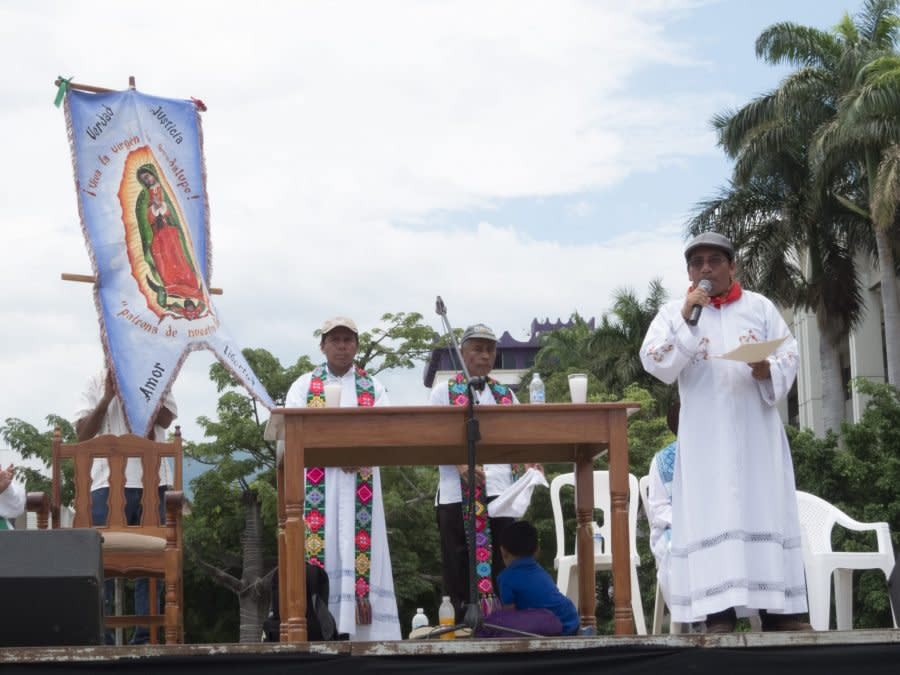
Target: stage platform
(834, 652)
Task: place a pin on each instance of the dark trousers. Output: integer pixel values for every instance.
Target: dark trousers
(455, 553)
(133, 512)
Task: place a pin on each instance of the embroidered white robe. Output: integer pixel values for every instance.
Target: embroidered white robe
(340, 533)
(735, 530)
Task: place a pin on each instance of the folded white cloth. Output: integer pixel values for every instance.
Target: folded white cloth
(514, 500)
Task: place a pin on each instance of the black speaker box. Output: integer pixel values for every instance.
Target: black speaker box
(51, 585)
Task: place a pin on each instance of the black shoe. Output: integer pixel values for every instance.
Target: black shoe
(721, 622)
(782, 622)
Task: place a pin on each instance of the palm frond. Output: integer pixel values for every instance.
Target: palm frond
(798, 45)
(886, 196)
(876, 22)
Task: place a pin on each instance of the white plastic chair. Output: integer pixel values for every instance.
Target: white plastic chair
(567, 564)
(817, 519)
(659, 603)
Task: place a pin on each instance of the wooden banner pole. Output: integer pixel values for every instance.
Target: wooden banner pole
(84, 87)
(91, 279)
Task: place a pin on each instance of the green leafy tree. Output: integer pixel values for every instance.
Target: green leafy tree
(230, 533)
(25, 439)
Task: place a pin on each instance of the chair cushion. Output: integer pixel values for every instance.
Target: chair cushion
(127, 541)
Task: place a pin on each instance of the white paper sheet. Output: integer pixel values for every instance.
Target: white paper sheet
(753, 352)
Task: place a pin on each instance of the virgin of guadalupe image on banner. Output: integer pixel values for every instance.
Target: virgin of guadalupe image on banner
(159, 247)
(141, 185)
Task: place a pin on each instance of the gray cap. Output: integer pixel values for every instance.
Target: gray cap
(711, 240)
(480, 331)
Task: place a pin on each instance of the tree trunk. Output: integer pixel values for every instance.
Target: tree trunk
(889, 304)
(255, 591)
(832, 381)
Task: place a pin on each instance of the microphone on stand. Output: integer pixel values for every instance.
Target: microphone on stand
(694, 316)
(441, 310)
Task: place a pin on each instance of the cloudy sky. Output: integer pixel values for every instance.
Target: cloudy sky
(521, 159)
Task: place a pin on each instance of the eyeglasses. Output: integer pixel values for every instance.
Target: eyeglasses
(699, 262)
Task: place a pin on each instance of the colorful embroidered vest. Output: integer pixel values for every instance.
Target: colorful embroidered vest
(484, 548)
(314, 504)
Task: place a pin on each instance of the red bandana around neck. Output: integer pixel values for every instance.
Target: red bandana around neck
(734, 293)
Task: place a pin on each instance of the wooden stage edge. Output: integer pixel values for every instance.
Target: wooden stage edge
(483, 647)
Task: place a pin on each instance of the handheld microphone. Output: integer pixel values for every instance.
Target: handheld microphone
(694, 317)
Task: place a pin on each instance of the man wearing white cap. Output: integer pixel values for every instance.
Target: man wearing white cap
(735, 542)
(101, 412)
(343, 510)
(479, 351)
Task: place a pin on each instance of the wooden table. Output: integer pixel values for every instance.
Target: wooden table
(422, 435)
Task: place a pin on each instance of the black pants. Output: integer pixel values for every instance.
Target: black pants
(455, 553)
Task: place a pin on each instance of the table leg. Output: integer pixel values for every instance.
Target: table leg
(618, 489)
(584, 538)
(294, 561)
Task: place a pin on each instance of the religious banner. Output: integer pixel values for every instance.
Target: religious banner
(141, 184)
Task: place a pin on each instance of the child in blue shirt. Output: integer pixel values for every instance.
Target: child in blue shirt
(531, 601)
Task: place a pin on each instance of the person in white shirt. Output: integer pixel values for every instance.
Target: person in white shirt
(479, 352)
(735, 537)
(344, 514)
(101, 412)
(12, 498)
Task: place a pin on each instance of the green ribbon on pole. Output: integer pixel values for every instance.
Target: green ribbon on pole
(61, 91)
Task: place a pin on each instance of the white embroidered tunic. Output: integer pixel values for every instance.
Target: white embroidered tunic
(340, 532)
(735, 530)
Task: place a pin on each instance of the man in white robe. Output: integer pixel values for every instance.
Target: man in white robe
(479, 352)
(339, 344)
(735, 539)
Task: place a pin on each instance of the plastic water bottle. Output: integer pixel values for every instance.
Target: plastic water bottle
(419, 620)
(536, 389)
(447, 617)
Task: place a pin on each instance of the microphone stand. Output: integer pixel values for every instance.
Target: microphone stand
(473, 618)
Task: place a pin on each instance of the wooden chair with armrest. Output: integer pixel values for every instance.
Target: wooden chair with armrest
(150, 549)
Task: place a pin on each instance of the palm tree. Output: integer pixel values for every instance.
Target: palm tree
(617, 341)
(566, 348)
(795, 242)
(833, 68)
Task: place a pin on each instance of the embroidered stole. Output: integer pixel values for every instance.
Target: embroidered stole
(484, 549)
(4, 524)
(314, 503)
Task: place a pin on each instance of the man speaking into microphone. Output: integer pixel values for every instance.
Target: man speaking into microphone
(735, 544)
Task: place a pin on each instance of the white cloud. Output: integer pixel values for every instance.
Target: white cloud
(328, 125)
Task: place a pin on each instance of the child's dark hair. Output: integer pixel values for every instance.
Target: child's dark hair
(520, 538)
